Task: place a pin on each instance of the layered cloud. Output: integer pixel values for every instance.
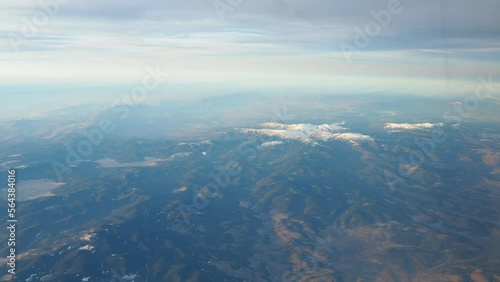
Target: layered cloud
(82, 46)
(308, 133)
(410, 126)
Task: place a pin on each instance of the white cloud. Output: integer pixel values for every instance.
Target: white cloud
(308, 133)
(260, 44)
(304, 126)
(395, 127)
(352, 137)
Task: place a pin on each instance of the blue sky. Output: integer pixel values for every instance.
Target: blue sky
(79, 51)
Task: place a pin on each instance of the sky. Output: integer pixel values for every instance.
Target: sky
(58, 52)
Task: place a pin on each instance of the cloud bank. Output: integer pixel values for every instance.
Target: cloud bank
(410, 126)
(308, 133)
(430, 47)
